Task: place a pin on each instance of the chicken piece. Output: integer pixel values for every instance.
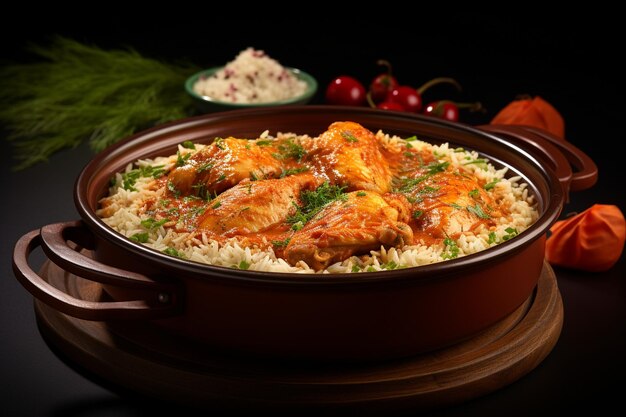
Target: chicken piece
(254, 206)
(448, 203)
(348, 154)
(363, 222)
(224, 164)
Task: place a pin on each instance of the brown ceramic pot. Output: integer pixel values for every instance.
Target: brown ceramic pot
(369, 316)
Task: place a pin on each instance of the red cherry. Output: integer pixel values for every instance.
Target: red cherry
(446, 110)
(383, 83)
(390, 105)
(345, 90)
(407, 97)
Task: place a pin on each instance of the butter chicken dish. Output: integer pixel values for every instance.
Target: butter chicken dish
(348, 200)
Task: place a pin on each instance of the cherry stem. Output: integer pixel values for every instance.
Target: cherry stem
(472, 107)
(368, 96)
(386, 64)
(439, 80)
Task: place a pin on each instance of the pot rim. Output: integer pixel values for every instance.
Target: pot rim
(548, 214)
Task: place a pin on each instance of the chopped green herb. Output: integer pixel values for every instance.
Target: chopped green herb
(491, 185)
(297, 225)
(456, 206)
(181, 159)
(244, 209)
(293, 171)
(219, 142)
(140, 237)
(417, 214)
(458, 150)
(474, 193)
(313, 201)
(428, 189)
(355, 268)
(390, 266)
(172, 188)
(253, 176)
(349, 136)
(290, 149)
(188, 144)
(408, 145)
(511, 232)
(492, 238)
(204, 167)
(411, 138)
(451, 250)
(409, 154)
(190, 198)
(281, 243)
(173, 252)
(221, 178)
(173, 211)
(361, 194)
(264, 142)
(129, 179)
(249, 186)
(476, 161)
(216, 205)
(244, 265)
(437, 167)
(478, 211)
(371, 269)
(151, 223)
(408, 184)
(165, 202)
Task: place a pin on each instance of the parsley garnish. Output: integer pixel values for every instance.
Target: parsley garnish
(293, 171)
(492, 238)
(491, 185)
(511, 232)
(244, 265)
(313, 201)
(450, 250)
(219, 142)
(216, 205)
(361, 194)
(417, 214)
(474, 193)
(290, 149)
(281, 243)
(153, 224)
(478, 211)
(349, 136)
(263, 142)
(140, 237)
(411, 138)
(435, 167)
(188, 144)
(181, 159)
(172, 188)
(173, 252)
(204, 167)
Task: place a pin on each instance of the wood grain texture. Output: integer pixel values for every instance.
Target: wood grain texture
(141, 359)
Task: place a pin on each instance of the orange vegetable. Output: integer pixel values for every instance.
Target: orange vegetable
(534, 112)
(591, 241)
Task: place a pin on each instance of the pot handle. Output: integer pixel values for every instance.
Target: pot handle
(585, 174)
(163, 299)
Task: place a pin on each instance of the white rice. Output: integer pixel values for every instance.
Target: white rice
(253, 77)
(121, 211)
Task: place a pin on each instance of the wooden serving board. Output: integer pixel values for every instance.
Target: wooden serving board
(139, 358)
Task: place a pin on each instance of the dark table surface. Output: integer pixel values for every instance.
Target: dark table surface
(499, 60)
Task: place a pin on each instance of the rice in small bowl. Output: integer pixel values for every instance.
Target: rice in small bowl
(252, 79)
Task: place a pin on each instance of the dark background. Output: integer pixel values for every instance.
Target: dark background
(570, 60)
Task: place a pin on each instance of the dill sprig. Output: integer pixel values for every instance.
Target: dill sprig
(81, 92)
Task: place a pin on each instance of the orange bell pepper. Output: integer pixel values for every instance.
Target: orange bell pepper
(534, 112)
(591, 241)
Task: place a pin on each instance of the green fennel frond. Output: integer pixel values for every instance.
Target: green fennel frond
(78, 92)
